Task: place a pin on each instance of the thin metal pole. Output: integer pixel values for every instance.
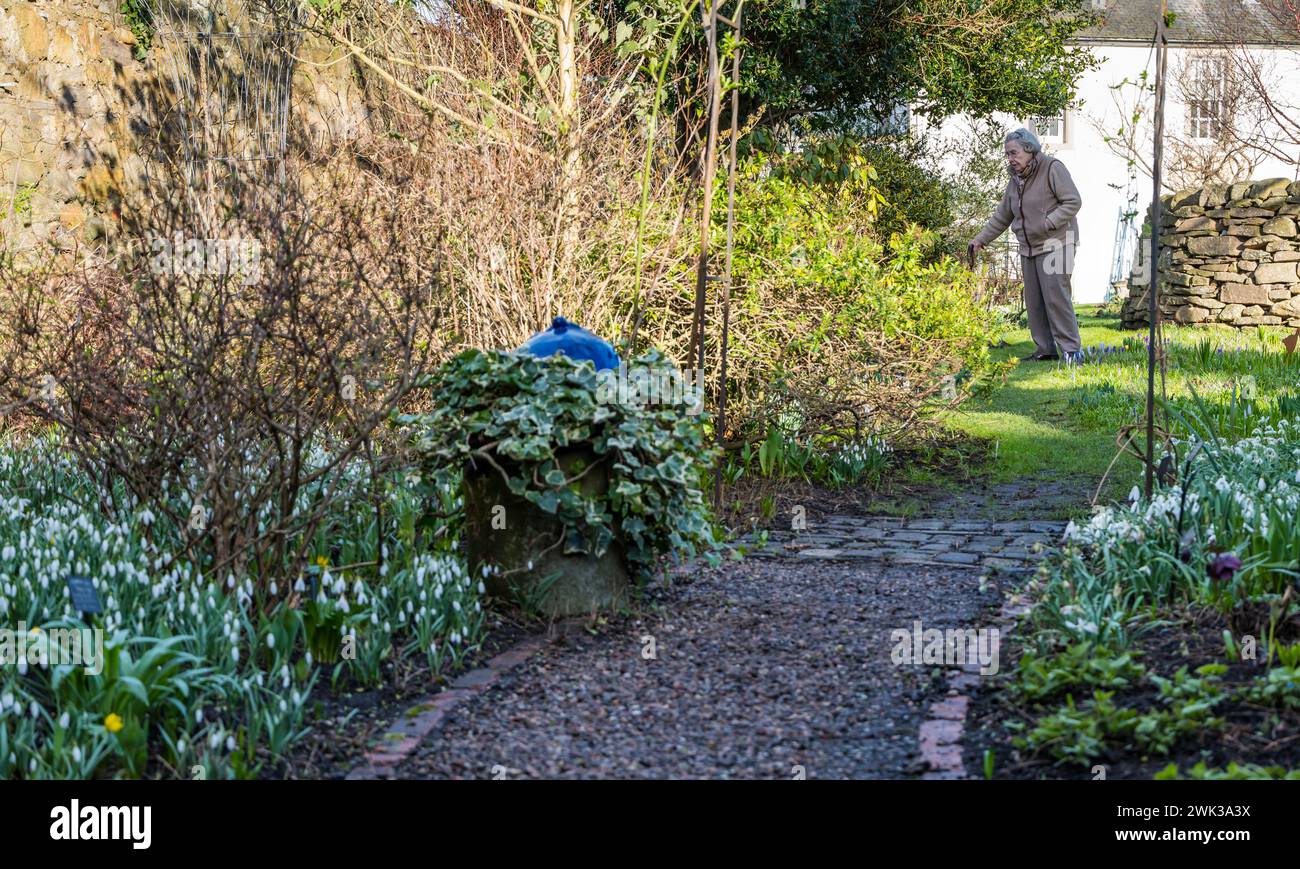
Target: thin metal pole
(710, 158)
(721, 428)
(1153, 291)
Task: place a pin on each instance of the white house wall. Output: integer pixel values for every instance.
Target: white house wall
(1102, 175)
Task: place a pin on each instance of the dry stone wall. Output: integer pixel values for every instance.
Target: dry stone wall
(1229, 253)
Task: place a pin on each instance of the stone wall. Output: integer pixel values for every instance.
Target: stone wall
(80, 115)
(1228, 254)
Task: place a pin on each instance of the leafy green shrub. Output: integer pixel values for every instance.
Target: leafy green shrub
(1280, 687)
(515, 413)
(1084, 733)
(849, 335)
(1081, 733)
(913, 196)
(1079, 665)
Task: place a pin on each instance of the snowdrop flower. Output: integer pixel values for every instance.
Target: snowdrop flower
(482, 589)
(270, 641)
(1082, 626)
(299, 586)
(198, 716)
(64, 720)
(76, 754)
(234, 654)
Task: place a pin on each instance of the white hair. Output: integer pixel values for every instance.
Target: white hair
(1026, 138)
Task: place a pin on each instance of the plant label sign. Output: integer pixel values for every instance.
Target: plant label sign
(84, 596)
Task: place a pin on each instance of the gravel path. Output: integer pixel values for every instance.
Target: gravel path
(774, 667)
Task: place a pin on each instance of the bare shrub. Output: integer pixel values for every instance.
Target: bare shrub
(235, 393)
(528, 142)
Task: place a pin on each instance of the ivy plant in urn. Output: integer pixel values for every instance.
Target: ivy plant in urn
(575, 485)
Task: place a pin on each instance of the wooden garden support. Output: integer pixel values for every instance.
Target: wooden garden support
(1153, 293)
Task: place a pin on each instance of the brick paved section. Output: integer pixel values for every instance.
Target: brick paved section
(990, 545)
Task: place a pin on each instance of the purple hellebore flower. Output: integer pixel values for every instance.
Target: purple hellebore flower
(1224, 565)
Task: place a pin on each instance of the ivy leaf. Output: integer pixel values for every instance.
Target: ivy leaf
(548, 501)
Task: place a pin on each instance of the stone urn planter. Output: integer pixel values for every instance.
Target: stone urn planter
(523, 545)
(571, 492)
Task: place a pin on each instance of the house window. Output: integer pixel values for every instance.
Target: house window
(1206, 107)
(1050, 128)
(899, 121)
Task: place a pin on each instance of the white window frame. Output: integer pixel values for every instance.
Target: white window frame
(1061, 137)
(1207, 118)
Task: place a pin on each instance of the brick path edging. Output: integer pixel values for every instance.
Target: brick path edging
(408, 730)
(941, 733)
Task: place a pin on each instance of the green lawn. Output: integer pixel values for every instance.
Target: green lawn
(1052, 420)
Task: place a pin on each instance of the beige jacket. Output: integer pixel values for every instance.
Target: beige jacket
(1041, 213)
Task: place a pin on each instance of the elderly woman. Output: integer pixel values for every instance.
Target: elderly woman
(1040, 204)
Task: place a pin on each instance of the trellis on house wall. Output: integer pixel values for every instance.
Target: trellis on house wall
(219, 114)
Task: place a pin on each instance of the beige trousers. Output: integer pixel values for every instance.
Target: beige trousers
(1049, 300)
